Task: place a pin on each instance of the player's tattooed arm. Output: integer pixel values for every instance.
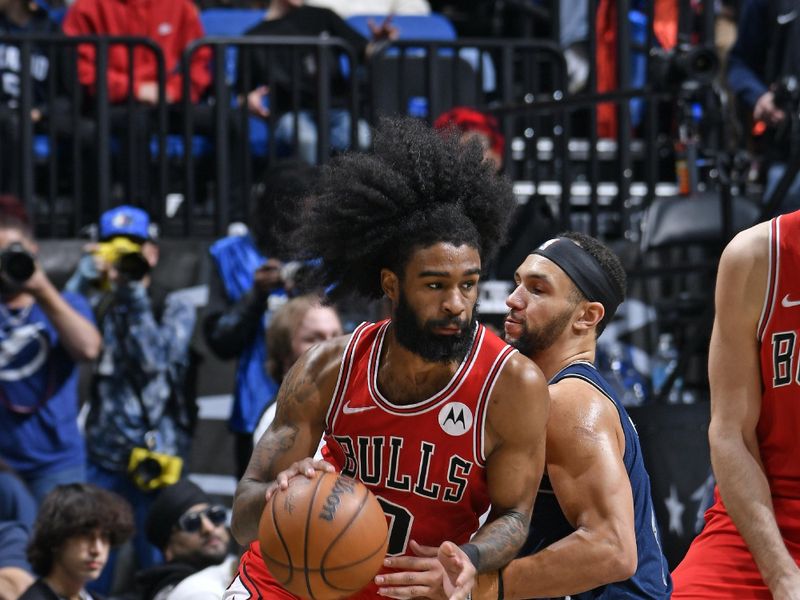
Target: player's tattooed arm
(515, 442)
(292, 437)
(498, 541)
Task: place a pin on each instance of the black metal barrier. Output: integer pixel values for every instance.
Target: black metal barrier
(61, 146)
(238, 152)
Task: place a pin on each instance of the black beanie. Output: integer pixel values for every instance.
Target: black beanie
(168, 507)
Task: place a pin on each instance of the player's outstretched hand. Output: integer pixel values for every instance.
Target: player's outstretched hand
(306, 467)
(443, 573)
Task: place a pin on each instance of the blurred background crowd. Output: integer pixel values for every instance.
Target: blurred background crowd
(155, 157)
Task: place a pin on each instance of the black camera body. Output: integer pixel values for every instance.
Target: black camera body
(786, 92)
(671, 69)
(16, 264)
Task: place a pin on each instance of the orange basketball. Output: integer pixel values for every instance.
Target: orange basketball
(323, 538)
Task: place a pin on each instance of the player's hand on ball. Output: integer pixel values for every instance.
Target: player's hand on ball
(306, 467)
(443, 573)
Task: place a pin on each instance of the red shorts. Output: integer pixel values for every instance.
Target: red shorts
(254, 581)
(719, 564)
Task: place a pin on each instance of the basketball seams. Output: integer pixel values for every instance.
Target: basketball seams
(339, 535)
(311, 509)
(282, 540)
(325, 542)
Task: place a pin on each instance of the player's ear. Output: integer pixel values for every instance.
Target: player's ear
(590, 315)
(390, 283)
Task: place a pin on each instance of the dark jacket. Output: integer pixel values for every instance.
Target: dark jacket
(41, 591)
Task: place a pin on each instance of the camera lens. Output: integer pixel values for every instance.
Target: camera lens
(16, 263)
(133, 265)
(147, 470)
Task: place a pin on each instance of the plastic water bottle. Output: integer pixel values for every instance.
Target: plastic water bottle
(624, 378)
(664, 363)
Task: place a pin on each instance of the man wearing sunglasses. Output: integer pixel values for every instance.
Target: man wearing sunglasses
(191, 531)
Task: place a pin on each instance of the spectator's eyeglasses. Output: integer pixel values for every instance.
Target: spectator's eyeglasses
(191, 522)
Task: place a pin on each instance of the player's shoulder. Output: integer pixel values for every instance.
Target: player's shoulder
(325, 358)
(577, 402)
(750, 246)
(521, 370)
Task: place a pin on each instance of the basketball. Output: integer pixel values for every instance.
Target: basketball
(323, 538)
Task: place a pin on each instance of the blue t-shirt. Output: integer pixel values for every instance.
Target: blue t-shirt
(13, 542)
(38, 392)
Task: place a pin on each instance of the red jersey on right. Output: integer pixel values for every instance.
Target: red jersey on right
(719, 564)
(778, 330)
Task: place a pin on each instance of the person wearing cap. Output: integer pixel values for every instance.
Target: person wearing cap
(470, 124)
(44, 334)
(137, 387)
(191, 532)
(593, 531)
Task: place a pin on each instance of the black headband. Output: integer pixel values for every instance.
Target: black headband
(584, 271)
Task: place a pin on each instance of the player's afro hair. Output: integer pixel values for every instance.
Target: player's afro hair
(415, 189)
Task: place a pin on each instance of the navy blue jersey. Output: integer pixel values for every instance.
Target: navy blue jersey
(549, 524)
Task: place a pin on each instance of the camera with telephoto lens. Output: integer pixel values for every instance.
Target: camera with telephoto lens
(125, 255)
(16, 263)
(153, 470)
(670, 69)
(786, 93)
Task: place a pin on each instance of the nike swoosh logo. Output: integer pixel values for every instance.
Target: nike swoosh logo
(351, 410)
(787, 18)
(786, 303)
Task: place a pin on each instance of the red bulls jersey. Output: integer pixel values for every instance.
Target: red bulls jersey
(719, 563)
(779, 328)
(425, 461)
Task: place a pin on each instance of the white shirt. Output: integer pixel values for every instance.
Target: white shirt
(347, 8)
(208, 584)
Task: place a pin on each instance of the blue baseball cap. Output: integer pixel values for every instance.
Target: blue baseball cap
(125, 220)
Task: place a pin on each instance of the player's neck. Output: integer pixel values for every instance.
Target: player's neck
(406, 377)
(561, 355)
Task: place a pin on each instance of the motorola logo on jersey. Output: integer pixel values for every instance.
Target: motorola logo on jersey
(455, 418)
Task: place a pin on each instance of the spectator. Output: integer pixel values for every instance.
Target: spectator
(172, 26)
(471, 124)
(348, 8)
(247, 281)
(43, 335)
(763, 55)
(296, 326)
(17, 514)
(15, 572)
(292, 18)
(76, 526)
(138, 386)
(26, 17)
(191, 532)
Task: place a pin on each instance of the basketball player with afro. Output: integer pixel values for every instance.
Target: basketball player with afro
(431, 411)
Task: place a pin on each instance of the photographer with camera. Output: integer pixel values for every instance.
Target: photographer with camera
(761, 68)
(138, 428)
(43, 335)
(249, 282)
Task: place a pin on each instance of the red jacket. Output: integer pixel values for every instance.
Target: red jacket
(172, 24)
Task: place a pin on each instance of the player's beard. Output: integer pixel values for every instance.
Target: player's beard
(533, 342)
(433, 347)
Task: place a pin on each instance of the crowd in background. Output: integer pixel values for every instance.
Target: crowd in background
(74, 489)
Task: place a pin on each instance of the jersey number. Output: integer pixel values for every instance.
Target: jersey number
(782, 358)
(400, 521)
